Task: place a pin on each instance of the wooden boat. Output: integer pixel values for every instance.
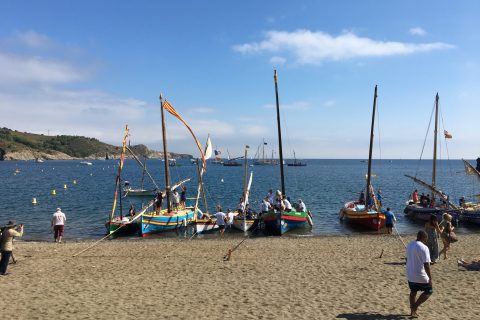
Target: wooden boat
(244, 222)
(471, 210)
(421, 212)
(121, 224)
(205, 225)
(296, 163)
(279, 222)
(171, 218)
(362, 214)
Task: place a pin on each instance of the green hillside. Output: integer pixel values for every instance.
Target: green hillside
(74, 146)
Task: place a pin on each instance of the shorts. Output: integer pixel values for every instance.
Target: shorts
(58, 231)
(389, 225)
(425, 287)
(221, 226)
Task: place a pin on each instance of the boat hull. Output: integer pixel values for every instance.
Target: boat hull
(417, 212)
(355, 214)
(471, 216)
(122, 227)
(278, 223)
(205, 225)
(244, 225)
(139, 193)
(155, 223)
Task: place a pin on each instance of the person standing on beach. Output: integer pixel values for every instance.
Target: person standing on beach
(230, 216)
(418, 272)
(221, 220)
(58, 224)
(390, 220)
(6, 244)
(433, 231)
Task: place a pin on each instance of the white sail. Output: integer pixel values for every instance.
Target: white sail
(208, 149)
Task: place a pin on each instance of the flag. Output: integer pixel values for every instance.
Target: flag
(264, 143)
(167, 106)
(447, 134)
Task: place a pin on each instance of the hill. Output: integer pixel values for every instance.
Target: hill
(15, 145)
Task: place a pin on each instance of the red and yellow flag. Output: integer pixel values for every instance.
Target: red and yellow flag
(167, 106)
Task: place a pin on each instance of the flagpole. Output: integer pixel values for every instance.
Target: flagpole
(165, 156)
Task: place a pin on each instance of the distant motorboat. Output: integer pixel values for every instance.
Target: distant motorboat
(38, 160)
(86, 163)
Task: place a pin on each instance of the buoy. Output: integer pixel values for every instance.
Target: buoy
(74, 181)
(34, 201)
(64, 186)
(54, 193)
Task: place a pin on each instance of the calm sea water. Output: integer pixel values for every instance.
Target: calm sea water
(324, 185)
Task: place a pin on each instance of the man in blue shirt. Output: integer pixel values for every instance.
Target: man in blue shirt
(389, 220)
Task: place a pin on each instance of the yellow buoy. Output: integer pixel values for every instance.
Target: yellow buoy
(34, 201)
(74, 181)
(64, 186)
(54, 193)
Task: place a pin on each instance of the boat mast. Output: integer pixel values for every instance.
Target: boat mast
(144, 169)
(435, 146)
(165, 156)
(263, 151)
(280, 152)
(369, 173)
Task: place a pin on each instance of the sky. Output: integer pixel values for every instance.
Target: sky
(91, 67)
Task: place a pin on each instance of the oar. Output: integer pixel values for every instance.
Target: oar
(108, 235)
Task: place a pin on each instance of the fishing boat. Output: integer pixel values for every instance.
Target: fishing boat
(471, 209)
(278, 222)
(120, 223)
(264, 161)
(172, 217)
(243, 221)
(366, 213)
(296, 163)
(423, 211)
(203, 222)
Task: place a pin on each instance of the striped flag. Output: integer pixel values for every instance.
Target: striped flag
(167, 106)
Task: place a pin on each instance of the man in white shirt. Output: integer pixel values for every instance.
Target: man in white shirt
(230, 216)
(221, 220)
(301, 206)
(286, 205)
(418, 271)
(58, 224)
(265, 206)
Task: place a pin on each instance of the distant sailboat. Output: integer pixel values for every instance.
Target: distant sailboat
(265, 161)
(296, 163)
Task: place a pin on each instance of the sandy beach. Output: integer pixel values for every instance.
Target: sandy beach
(339, 277)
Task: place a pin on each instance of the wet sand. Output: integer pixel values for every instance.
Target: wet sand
(339, 277)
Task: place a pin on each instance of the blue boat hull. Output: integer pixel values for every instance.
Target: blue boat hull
(152, 223)
(282, 224)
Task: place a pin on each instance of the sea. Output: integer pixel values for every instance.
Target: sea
(85, 193)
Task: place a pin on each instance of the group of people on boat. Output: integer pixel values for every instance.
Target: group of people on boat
(371, 199)
(177, 200)
(426, 201)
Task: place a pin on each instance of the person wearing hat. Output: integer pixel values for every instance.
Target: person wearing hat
(58, 224)
(10, 231)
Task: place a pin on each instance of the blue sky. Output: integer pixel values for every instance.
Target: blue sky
(90, 67)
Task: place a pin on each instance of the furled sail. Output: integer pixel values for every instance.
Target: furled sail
(470, 170)
(442, 195)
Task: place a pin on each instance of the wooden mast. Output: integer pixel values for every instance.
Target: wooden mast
(245, 190)
(282, 178)
(434, 170)
(165, 156)
(369, 173)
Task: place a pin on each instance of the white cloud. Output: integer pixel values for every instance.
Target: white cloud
(278, 61)
(20, 69)
(201, 110)
(309, 47)
(329, 103)
(33, 39)
(298, 105)
(417, 31)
